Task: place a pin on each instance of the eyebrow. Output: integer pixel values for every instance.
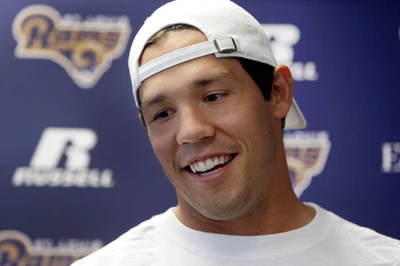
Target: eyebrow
(200, 82)
(204, 81)
(155, 100)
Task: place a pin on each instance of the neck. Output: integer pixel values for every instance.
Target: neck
(264, 219)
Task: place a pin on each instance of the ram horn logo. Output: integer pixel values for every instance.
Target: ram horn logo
(84, 48)
(16, 248)
(306, 154)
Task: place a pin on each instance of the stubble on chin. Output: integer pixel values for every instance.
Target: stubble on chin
(225, 205)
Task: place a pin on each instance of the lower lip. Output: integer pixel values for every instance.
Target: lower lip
(218, 174)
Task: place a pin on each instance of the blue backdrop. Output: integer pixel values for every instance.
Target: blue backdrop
(76, 167)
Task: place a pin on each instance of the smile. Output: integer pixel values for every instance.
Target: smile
(210, 165)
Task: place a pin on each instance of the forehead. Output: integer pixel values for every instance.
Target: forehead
(188, 77)
(186, 74)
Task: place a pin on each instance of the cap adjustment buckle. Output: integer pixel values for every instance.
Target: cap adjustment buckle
(225, 45)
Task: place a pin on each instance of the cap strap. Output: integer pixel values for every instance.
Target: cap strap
(219, 45)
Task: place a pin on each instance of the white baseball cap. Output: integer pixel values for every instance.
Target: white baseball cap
(230, 30)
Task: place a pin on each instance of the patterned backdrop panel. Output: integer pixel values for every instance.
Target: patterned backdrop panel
(76, 167)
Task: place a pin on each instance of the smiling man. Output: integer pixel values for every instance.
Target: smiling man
(207, 125)
(214, 103)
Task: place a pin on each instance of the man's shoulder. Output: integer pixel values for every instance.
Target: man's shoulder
(362, 241)
(373, 240)
(132, 248)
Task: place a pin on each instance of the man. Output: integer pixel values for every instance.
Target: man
(214, 103)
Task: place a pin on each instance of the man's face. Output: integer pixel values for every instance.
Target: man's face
(207, 115)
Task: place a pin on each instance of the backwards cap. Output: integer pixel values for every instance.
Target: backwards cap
(230, 30)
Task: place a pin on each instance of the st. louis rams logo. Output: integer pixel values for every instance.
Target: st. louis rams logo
(306, 154)
(84, 48)
(16, 248)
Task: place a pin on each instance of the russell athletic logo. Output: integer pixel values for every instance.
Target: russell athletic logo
(85, 48)
(16, 248)
(306, 154)
(283, 39)
(62, 159)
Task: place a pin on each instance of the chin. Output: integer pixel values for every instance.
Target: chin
(223, 212)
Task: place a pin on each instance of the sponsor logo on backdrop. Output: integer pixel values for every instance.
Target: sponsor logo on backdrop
(391, 157)
(16, 248)
(61, 159)
(84, 47)
(283, 39)
(306, 153)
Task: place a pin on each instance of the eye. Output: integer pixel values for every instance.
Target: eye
(213, 97)
(162, 115)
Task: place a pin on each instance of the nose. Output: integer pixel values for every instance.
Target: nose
(194, 125)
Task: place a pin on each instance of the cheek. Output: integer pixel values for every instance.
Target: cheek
(251, 124)
(163, 147)
(242, 120)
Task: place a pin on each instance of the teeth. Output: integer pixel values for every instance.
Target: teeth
(209, 163)
(216, 160)
(212, 172)
(202, 166)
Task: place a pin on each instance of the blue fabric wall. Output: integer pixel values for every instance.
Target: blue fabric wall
(77, 170)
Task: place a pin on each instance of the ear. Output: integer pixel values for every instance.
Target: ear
(142, 120)
(282, 91)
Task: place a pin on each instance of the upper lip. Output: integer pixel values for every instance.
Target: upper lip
(193, 159)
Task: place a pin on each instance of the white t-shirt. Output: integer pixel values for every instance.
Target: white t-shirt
(326, 240)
